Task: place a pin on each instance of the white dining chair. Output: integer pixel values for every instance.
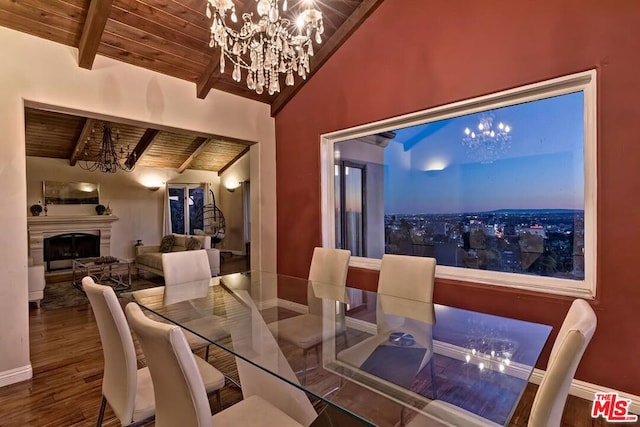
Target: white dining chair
(402, 278)
(190, 269)
(328, 266)
(548, 404)
(179, 391)
(129, 390)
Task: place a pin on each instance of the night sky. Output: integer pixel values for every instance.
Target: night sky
(429, 169)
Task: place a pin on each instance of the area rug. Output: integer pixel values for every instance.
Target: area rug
(64, 294)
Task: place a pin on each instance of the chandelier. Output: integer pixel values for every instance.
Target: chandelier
(105, 156)
(486, 140)
(265, 49)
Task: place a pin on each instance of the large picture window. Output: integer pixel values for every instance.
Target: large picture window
(499, 189)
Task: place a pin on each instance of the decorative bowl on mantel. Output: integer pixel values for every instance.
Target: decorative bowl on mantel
(36, 210)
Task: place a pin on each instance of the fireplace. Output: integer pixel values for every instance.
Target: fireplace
(59, 250)
(86, 235)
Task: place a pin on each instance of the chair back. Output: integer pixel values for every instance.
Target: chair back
(120, 365)
(328, 266)
(572, 340)
(408, 277)
(186, 267)
(180, 395)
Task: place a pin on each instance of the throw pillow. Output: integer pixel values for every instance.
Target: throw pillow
(166, 244)
(194, 244)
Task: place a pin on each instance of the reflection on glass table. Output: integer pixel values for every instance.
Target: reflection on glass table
(396, 355)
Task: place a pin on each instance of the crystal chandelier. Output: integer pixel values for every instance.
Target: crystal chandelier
(486, 140)
(265, 49)
(108, 158)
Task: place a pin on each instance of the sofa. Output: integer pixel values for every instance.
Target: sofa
(149, 258)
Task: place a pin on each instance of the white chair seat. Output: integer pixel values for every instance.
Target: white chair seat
(304, 331)
(212, 378)
(253, 411)
(211, 327)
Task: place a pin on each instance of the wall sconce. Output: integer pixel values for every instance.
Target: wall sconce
(153, 188)
(231, 185)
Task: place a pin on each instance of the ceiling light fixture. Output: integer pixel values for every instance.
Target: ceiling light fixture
(108, 157)
(268, 48)
(486, 140)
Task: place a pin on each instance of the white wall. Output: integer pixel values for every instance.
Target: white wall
(39, 71)
(231, 203)
(139, 210)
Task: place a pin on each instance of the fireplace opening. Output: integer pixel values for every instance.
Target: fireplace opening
(61, 249)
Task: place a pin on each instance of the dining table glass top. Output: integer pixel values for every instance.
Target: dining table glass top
(373, 357)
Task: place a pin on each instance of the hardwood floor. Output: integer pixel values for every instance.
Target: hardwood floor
(66, 356)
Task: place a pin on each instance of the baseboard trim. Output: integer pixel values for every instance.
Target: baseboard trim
(579, 388)
(16, 375)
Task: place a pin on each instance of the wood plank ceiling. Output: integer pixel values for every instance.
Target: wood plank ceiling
(64, 136)
(168, 36)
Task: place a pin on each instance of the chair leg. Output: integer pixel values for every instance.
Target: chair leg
(219, 400)
(433, 380)
(103, 406)
(304, 366)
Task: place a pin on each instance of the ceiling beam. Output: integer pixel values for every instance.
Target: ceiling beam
(328, 48)
(97, 16)
(141, 147)
(235, 159)
(202, 144)
(82, 141)
(209, 77)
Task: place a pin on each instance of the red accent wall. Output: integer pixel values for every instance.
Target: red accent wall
(415, 54)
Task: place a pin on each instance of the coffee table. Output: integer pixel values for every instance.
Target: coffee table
(111, 270)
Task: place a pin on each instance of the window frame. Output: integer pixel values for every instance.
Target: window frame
(584, 82)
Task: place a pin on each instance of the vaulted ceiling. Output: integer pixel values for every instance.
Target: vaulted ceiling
(168, 36)
(65, 136)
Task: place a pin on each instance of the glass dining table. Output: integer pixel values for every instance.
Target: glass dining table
(343, 356)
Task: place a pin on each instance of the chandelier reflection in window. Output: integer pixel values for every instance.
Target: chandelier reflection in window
(487, 141)
(265, 49)
(105, 155)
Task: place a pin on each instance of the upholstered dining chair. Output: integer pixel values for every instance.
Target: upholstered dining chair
(549, 402)
(328, 266)
(179, 391)
(190, 269)
(129, 390)
(403, 279)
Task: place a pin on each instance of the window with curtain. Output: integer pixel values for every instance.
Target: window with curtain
(185, 203)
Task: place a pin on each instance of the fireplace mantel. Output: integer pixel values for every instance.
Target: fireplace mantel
(49, 221)
(45, 226)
